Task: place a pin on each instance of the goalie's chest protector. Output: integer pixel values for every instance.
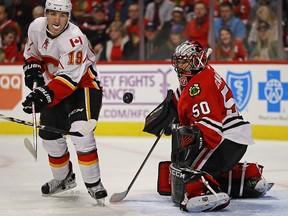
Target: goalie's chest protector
(200, 104)
(199, 99)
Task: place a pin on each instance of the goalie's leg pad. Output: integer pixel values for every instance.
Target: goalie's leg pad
(245, 180)
(164, 183)
(196, 191)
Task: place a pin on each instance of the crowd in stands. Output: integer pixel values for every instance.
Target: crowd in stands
(242, 29)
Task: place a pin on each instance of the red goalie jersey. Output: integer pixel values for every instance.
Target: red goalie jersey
(67, 62)
(207, 102)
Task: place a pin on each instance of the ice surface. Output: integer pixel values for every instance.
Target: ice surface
(120, 157)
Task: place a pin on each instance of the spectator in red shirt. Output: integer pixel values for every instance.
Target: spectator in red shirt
(132, 23)
(229, 48)
(8, 44)
(4, 21)
(119, 47)
(197, 29)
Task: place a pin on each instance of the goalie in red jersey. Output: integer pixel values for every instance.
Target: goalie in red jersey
(209, 139)
(58, 57)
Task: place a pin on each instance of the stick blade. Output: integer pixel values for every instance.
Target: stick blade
(30, 148)
(117, 197)
(89, 126)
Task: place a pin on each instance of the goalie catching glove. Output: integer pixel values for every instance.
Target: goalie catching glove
(162, 117)
(33, 72)
(41, 96)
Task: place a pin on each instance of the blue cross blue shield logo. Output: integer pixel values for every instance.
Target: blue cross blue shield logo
(273, 91)
(241, 86)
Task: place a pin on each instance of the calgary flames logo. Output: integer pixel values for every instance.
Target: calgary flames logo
(46, 43)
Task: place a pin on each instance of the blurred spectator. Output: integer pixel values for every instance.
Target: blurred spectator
(263, 14)
(227, 19)
(159, 11)
(20, 10)
(119, 47)
(4, 21)
(198, 28)
(80, 8)
(176, 36)
(228, 48)
(132, 24)
(37, 11)
(96, 27)
(241, 8)
(151, 46)
(8, 45)
(178, 18)
(118, 10)
(272, 4)
(266, 47)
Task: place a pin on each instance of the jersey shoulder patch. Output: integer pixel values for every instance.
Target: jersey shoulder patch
(76, 41)
(195, 90)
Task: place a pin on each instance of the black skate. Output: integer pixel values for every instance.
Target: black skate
(56, 186)
(99, 193)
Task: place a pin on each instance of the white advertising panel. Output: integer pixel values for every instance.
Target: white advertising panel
(260, 90)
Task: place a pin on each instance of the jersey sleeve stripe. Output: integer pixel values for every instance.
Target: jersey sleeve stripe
(211, 122)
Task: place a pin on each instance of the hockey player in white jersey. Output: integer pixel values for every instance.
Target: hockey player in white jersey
(58, 57)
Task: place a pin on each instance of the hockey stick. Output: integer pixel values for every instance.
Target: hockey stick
(117, 197)
(33, 148)
(88, 127)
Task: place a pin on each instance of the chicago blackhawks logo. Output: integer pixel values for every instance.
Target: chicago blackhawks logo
(194, 90)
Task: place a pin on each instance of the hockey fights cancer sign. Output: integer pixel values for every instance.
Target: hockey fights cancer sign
(10, 90)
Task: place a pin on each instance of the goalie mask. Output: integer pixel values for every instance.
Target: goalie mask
(188, 59)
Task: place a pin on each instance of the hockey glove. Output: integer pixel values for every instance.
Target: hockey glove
(41, 96)
(33, 72)
(189, 136)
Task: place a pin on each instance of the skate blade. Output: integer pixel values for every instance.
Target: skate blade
(100, 202)
(68, 187)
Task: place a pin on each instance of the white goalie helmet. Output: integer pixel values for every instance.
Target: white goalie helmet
(189, 58)
(59, 5)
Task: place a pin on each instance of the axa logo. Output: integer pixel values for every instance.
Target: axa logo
(273, 91)
(241, 86)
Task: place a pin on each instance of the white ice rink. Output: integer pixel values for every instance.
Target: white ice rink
(120, 157)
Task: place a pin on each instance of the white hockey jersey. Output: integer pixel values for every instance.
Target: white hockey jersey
(67, 60)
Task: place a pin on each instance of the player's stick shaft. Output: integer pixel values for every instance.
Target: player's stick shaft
(117, 197)
(90, 125)
(34, 124)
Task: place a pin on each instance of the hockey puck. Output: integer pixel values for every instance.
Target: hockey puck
(127, 97)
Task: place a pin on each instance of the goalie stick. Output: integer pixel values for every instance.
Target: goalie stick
(117, 197)
(88, 127)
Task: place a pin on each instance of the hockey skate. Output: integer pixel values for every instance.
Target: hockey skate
(56, 186)
(207, 202)
(99, 193)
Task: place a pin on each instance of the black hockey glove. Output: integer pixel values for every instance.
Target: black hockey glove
(41, 96)
(190, 135)
(32, 71)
